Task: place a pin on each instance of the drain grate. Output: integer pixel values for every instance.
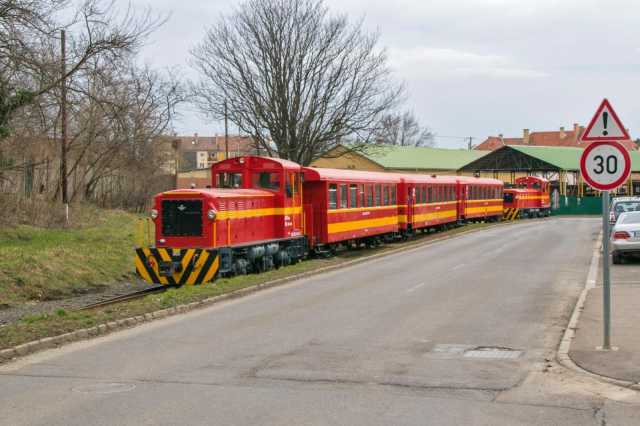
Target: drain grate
(492, 353)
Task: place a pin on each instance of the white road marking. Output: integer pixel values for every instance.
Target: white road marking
(415, 287)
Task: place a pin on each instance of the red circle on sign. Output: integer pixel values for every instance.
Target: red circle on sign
(599, 185)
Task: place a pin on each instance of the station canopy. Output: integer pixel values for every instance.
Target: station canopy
(535, 159)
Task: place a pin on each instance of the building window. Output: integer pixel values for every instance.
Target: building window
(343, 196)
(353, 195)
(333, 196)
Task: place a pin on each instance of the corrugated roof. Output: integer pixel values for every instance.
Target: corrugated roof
(421, 158)
(566, 158)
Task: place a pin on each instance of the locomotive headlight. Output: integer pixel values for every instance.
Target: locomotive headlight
(211, 214)
(154, 214)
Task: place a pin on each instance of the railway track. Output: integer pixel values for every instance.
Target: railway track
(111, 300)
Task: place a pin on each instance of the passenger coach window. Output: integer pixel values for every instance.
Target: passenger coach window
(353, 195)
(343, 196)
(386, 195)
(362, 196)
(393, 195)
(369, 196)
(430, 195)
(378, 194)
(266, 180)
(229, 180)
(333, 196)
(424, 194)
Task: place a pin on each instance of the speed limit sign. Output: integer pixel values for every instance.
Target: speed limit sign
(605, 165)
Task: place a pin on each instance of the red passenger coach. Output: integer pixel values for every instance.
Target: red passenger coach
(480, 198)
(426, 202)
(347, 205)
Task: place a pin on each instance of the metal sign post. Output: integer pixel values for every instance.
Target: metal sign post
(605, 165)
(606, 281)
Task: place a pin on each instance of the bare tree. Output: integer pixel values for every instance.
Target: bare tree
(403, 129)
(297, 78)
(29, 40)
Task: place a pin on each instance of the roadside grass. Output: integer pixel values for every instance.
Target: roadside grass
(62, 321)
(40, 264)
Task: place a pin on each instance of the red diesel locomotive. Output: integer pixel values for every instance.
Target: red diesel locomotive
(263, 213)
(528, 198)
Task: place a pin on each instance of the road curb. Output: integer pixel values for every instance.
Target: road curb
(10, 354)
(564, 347)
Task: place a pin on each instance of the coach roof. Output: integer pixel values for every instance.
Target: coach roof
(318, 174)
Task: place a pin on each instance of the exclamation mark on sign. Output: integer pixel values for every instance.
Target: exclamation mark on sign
(605, 118)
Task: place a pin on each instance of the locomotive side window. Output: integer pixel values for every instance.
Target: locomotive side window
(333, 196)
(343, 196)
(229, 180)
(353, 195)
(266, 180)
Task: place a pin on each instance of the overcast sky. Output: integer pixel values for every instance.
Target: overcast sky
(471, 67)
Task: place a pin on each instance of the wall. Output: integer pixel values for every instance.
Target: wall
(201, 178)
(349, 160)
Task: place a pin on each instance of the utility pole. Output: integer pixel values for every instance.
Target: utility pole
(63, 125)
(470, 143)
(226, 131)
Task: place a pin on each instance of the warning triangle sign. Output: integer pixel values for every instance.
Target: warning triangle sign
(605, 125)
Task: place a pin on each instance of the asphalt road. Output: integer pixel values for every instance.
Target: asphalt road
(459, 332)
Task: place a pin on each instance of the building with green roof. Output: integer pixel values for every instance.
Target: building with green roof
(561, 165)
(398, 158)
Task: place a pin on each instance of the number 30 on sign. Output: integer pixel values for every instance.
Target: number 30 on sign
(605, 165)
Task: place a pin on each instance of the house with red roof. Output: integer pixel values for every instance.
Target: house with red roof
(560, 138)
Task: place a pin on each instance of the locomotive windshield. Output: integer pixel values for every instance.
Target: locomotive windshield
(266, 180)
(508, 197)
(229, 180)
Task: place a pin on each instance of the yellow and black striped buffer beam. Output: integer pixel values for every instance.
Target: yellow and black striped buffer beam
(177, 266)
(511, 214)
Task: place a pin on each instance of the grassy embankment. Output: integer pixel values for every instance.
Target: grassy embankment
(54, 263)
(40, 264)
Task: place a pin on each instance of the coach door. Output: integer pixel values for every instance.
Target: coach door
(411, 202)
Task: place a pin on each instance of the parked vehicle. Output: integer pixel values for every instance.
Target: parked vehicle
(621, 205)
(625, 236)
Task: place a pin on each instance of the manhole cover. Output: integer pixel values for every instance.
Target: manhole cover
(492, 353)
(105, 388)
(447, 348)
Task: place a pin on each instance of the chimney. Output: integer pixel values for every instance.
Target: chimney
(525, 136)
(563, 134)
(501, 138)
